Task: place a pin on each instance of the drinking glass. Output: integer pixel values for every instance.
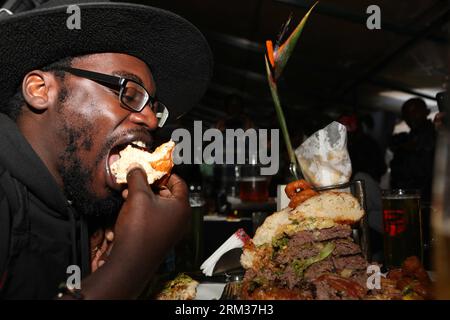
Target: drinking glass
(402, 223)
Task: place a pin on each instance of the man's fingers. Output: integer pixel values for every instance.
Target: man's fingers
(109, 234)
(164, 192)
(161, 183)
(177, 186)
(108, 251)
(96, 241)
(104, 246)
(137, 180)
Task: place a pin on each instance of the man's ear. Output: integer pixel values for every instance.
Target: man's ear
(40, 89)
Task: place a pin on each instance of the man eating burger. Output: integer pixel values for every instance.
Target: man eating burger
(71, 101)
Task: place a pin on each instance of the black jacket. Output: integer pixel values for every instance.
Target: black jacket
(40, 233)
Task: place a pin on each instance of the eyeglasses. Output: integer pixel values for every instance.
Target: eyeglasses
(132, 95)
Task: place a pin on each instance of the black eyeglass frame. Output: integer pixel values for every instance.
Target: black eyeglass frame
(119, 84)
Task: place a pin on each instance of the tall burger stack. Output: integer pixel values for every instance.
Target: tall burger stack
(307, 252)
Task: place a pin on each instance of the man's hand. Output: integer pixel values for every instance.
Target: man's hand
(101, 245)
(147, 227)
(165, 212)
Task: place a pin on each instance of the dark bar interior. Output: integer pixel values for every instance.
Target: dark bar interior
(312, 138)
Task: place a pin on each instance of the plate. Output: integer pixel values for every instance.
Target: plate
(209, 291)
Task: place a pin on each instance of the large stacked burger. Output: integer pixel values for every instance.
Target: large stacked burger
(307, 252)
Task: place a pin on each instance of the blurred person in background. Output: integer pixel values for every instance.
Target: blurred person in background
(365, 152)
(412, 164)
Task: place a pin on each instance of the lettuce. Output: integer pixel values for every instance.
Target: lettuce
(280, 243)
(300, 266)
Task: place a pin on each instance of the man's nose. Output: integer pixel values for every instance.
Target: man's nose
(145, 118)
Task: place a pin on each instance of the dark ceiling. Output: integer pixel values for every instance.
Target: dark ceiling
(339, 64)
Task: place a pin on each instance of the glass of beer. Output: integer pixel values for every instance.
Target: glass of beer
(253, 186)
(254, 189)
(402, 222)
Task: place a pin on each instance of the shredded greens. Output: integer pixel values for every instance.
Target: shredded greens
(280, 243)
(301, 265)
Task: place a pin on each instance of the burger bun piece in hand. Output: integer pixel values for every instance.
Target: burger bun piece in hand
(156, 165)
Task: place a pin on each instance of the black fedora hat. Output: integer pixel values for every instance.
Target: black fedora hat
(176, 52)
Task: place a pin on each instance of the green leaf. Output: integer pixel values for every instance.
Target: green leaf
(301, 265)
(279, 58)
(280, 243)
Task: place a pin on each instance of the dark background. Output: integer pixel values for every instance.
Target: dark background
(338, 66)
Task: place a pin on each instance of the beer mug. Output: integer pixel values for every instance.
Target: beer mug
(253, 187)
(402, 223)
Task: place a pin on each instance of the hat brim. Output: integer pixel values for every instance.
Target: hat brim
(176, 52)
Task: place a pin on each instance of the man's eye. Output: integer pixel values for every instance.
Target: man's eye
(129, 97)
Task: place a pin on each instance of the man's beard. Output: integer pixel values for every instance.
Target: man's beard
(77, 177)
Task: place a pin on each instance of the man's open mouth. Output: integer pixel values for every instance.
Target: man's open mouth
(114, 155)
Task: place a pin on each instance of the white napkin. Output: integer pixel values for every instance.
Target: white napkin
(323, 157)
